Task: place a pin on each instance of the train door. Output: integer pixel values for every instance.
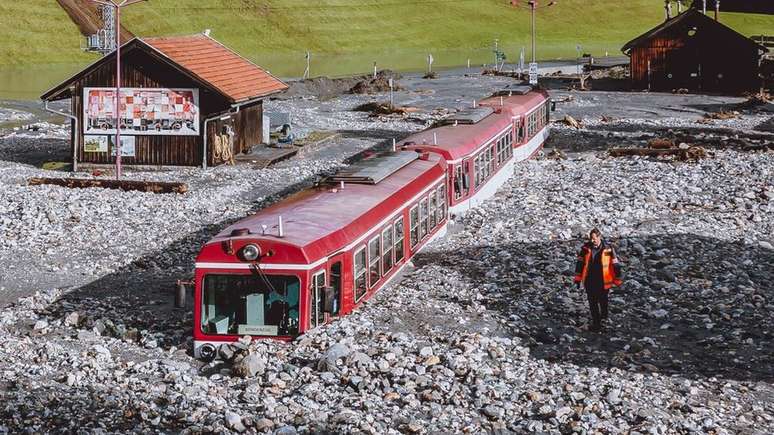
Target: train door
(316, 299)
(335, 289)
(520, 133)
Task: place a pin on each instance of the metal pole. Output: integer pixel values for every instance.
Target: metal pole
(534, 5)
(118, 92)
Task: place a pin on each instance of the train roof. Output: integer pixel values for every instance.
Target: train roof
(326, 218)
(455, 142)
(518, 104)
(475, 126)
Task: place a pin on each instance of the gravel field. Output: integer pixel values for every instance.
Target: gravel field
(484, 333)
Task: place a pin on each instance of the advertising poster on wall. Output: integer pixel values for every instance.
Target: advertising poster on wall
(95, 144)
(127, 146)
(144, 111)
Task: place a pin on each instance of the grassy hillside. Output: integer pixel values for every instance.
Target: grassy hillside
(38, 31)
(348, 35)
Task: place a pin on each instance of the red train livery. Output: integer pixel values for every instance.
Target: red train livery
(323, 251)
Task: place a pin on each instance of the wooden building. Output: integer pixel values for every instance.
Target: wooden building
(185, 101)
(695, 52)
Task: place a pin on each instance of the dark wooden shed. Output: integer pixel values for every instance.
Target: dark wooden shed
(694, 52)
(185, 101)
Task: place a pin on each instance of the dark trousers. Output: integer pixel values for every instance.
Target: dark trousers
(597, 304)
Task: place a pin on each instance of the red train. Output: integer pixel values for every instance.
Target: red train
(323, 251)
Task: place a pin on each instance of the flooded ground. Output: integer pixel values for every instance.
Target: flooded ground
(27, 83)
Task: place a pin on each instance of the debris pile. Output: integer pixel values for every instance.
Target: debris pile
(663, 148)
(376, 85)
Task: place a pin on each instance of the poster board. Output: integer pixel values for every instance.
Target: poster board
(127, 146)
(144, 111)
(95, 144)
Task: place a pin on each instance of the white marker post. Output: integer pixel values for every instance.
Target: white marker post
(521, 61)
(578, 48)
(391, 90)
(306, 71)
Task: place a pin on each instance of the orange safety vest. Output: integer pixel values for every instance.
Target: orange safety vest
(609, 262)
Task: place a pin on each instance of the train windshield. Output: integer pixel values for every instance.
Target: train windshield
(256, 304)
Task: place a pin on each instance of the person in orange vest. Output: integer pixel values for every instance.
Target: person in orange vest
(599, 270)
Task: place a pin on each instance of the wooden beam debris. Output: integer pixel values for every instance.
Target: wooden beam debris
(126, 185)
(682, 153)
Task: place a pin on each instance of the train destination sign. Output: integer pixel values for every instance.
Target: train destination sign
(144, 111)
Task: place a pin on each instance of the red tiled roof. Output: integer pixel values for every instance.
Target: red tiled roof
(228, 72)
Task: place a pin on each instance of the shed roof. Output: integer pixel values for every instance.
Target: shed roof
(699, 19)
(203, 59)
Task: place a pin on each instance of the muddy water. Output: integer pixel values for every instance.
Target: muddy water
(29, 82)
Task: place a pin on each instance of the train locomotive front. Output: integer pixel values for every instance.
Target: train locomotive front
(319, 253)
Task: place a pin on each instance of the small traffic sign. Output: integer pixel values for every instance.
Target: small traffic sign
(533, 73)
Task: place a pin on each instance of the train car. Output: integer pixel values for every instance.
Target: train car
(319, 253)
(481, 144)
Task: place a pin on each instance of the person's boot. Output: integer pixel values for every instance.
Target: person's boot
(595, 327)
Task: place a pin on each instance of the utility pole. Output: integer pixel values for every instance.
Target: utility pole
(117, 5)
(533, 6)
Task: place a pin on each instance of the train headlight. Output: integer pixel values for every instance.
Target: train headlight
(251, 252)
(208, 352)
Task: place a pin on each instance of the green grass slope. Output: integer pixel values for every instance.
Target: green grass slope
(348, 35)
(38, 32)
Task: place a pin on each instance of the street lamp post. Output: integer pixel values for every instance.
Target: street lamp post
(533, 5)
(117, 5)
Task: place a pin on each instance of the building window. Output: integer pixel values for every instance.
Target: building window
(441, 202)
(422, 218)
(387, 250)
(414, 225)
(398, 240)
(374, 255)
(360, 274)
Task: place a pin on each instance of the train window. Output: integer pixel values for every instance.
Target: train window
(414, 225)
(254, 304)
(458, 182)
(360, 274)
(422, 218)
(374, 255)
(489, 160)
(441, 202)
(316, 309)
(398, 240)
(387, 250)
(484, 165)
(477, 169)
(431, 211)
(335, 282)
